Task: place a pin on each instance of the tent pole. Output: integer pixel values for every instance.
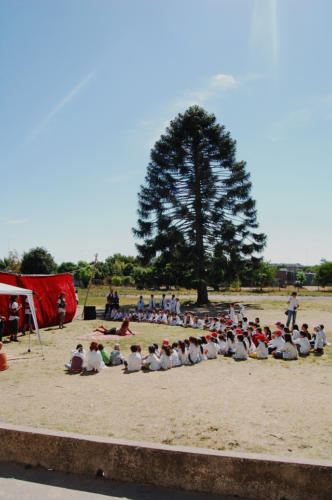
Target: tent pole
(90, 282)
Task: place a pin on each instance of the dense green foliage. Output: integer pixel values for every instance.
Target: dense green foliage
(195, 211)
(38, 261)
(324, 273)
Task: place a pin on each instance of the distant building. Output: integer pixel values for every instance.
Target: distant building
(286, 274)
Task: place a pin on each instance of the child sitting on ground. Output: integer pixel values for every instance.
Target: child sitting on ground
(151, 361)
(241, 352)
(302, 344)
(165, 357)
(116, 356)
(3, 360)
(134, 363)
(288, 350)
(104, 354)
(94, 362)
(77, 359)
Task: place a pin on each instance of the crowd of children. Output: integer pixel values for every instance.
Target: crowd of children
(223, 336)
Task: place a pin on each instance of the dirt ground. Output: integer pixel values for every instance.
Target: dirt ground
(271, 406)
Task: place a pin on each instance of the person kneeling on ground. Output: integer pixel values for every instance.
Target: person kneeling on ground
(3, 360)
(288, 350)
(116, 356)
(94, 361)
(77, 359)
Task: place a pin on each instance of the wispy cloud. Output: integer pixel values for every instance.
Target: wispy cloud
(222, 81)
(36, 130)
(213, 87)
(264, 27)
(16, 221)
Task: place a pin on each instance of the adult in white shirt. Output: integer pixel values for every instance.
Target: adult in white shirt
(293, 305)
(140, 304)
(177, 306)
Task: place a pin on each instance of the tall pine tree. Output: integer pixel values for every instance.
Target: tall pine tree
(196, 202)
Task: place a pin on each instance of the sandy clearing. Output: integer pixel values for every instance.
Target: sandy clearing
(255, 406)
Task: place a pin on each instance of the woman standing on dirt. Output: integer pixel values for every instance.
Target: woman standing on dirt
(61, 304)
(14, 317)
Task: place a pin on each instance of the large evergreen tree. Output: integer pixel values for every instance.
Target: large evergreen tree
(195, 204)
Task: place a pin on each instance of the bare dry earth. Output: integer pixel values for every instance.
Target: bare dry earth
(277, 407)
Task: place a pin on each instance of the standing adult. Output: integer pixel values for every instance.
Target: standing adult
(293, 305)
(172, 304)
(28, 321)
(152, 304)
(162, 302)
(14, 317)
(2, 326)
(116, 301)
(177, 306)
(61, 304)
(140, 303)
(109, 303)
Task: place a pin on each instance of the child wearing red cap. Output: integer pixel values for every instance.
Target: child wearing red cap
(276, 342)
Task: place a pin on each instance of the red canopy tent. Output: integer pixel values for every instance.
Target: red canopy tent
(47, 289)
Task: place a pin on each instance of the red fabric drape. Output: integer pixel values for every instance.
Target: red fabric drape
(47, 289)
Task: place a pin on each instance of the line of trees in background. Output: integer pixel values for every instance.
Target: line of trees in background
(126, 270)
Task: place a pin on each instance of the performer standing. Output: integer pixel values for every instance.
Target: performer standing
(61, 308)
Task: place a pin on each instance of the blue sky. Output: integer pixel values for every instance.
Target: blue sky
(88, 86)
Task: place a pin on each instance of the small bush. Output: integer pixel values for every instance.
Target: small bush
(116, 281)
(126, 281)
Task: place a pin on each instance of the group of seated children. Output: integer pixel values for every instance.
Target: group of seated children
(238, 340)
(234, 342)
(95, 360)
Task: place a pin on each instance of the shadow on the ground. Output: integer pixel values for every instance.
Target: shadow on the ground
(98, 485)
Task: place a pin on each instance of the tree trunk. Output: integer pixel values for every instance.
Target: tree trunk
(202, 294)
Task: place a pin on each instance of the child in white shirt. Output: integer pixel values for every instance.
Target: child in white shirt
(151, 361)
(175, 355)
(241, 352)
(183, 353)
(302, 344)
(165, 358)
(134, 362)
(211, 348)
(288, 350)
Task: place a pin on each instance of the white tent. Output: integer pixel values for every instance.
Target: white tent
(15, 290)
